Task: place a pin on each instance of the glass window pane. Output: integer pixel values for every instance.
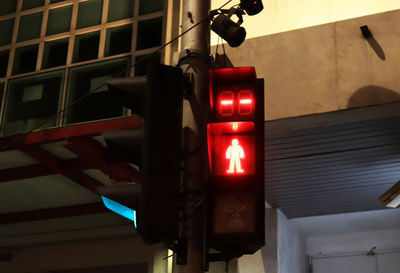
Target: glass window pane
(8, 6)
(6, 29)
(55, 1)
(120, 9)
(55, 53)
(31, 100)
(150, 6)
(1, 92)
(30, 26)
(4, 62)
(25, 59)
(84, 79)
(149, 33)
(59, 20)
(118, 40)
(140, 67)
(86, 46)
(89, 13)
(1, 97)
(29, 4)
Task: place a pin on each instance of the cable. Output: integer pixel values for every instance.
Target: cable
(15, 140)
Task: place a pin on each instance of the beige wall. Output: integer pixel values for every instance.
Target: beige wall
(284, 15)
(325, 68)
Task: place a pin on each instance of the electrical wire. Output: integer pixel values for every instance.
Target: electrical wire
(66, 108)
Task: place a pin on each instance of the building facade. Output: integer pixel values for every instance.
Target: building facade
(331, 114)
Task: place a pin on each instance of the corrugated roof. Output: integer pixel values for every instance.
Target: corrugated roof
(335, 169)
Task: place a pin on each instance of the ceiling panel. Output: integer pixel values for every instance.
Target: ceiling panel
(15, 158)
(63, 224)
(335, 169)
(43, 192)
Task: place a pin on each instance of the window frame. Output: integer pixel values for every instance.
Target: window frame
(165, 14)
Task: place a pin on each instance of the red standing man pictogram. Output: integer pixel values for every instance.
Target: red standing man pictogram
(235, 153)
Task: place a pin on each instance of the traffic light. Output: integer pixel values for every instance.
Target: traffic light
(235, 135)
(157, 98)
(252, 7)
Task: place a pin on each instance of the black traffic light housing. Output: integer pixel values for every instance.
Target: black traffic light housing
(157, 98)
(230, 31)
(252, 7)
(235, 190)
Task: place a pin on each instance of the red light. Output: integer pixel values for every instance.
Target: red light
(246, 102)
(226, 105)
(232, 104)
(235, 126)
(235, 153)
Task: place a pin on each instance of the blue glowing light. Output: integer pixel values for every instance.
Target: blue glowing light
(120, 209)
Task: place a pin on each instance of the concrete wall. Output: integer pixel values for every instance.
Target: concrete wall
(52, 253)
(291, 247)
(284, 251)
(266, 259)
(361, 242)
(326, 68)
(284, 15)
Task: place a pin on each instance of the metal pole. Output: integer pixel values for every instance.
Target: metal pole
(194, 59)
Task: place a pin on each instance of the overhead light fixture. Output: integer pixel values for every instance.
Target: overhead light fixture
(252, 7)
(230, 31)
(391, 198)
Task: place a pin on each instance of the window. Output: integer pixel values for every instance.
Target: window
(85, 79)
(120, 9)
(30, 101)
(55, 53)
(30, 26)
(4, 55)
(86, 46)
(89, 13)
(149, 33)
(118, 40)
(85, 40)
(30, 4)
(150, 6)
(7, 6)
(1, 93)
(6, 27)
(59, 20)
(25, 59)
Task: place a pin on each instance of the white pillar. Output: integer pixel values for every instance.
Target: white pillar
(266, 259)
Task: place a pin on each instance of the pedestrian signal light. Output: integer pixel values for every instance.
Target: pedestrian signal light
(235, 136)
(232, 148)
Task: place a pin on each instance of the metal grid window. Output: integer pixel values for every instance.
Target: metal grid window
(46, 41)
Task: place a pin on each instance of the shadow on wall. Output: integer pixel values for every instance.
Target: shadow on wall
(371, 95)
(372, 42)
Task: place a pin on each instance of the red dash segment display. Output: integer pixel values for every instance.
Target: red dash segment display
(226, 105)
(231, 104)
(246, 103)
(233, 94)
